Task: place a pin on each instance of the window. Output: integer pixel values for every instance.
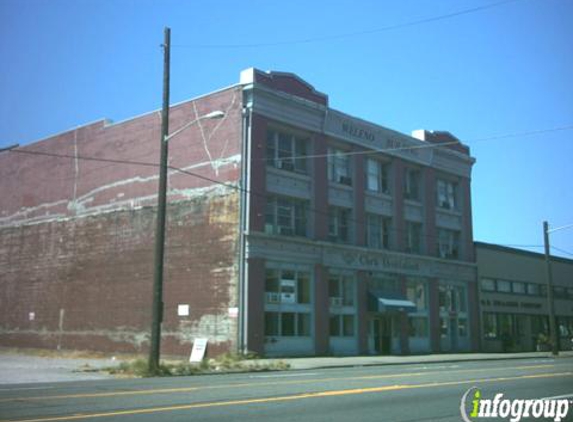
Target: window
(519, 287)
(533, 289)
(452, 298)
(287, 324)
(286, 216)
(339, 166)
(416, 293)
(412, 184)
(378, 231)
(287, 286)
(287, 152)
(341, 290)
(376, 176)
(462, 327)
(342, 325)
(413, 237)
(489, 325)
(503, 286)
(448, 244)
(447, 194)
(418, 326)
(487, 285)
(338, 225)
(444, 327)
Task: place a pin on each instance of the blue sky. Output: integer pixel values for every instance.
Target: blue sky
(500, 70)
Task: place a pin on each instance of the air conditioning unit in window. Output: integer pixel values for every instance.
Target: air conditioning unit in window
(273, 297)
(345, 180)
(336, 301)
(286, 165)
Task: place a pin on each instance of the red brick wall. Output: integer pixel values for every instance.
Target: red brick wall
(76, 236)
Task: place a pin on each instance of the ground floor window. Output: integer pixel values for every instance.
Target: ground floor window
(418, 326)
(342, 325)
(287, 324)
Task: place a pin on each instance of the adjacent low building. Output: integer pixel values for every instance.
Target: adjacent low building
(293, 229)
(514, 309)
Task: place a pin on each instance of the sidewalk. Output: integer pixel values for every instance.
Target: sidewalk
(21, 368)
(350, 361)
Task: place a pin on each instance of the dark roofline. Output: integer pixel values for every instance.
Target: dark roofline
(522, 252)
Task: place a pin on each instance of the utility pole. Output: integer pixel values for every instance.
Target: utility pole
(552, 328)
(157, 310)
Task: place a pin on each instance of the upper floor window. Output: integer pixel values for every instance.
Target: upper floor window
(339, 166)
(286, 216)
(448, 244)
(377, 176)
(488, 285)
(341, 290)
(286, 151)
(338, 224)
(287, 286)
(447, 194)
(413, 237)
(378, 231)
(412, 180)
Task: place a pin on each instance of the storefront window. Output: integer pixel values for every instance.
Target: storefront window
(444, 327)
(462, 327)
(287, 324)
(418, 327)
(416, 293)
(489, 325)
(341, 325)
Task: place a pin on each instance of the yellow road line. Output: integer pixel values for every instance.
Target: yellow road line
(303, 396)
(254, 384)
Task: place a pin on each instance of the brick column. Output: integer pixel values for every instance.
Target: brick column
(361, 311)
(256, 307)
(320, 189)
(474, 317)
(398, 196)
(321, 310)
(403, 321)
(257, 178)
(359, 206)
(434, 315)
(467, 238)
(430, 211)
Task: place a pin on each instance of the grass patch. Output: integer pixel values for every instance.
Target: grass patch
(226, 363)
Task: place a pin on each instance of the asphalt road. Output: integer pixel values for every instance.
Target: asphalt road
(397, 393)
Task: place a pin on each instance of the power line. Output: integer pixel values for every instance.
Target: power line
(352, 34)
(374, 151)
(562, 250)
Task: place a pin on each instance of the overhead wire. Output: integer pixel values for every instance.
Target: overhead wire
(333, 37)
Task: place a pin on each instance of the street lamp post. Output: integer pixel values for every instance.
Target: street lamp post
(157, 308)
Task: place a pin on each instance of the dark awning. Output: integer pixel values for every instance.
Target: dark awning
(380, 302)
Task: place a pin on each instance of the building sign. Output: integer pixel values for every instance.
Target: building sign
(357, 132)
(379, 261)
(376, 137)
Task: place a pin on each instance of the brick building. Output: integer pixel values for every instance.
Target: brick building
(287, 232)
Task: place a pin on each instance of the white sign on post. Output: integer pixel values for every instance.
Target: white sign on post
(199, 348)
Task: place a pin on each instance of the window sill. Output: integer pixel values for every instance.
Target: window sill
(292, 173)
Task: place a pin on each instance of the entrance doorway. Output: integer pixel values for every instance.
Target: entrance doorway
(381, 332)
